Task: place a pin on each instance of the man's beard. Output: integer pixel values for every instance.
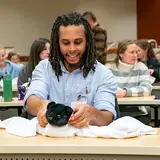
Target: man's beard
(74, 65)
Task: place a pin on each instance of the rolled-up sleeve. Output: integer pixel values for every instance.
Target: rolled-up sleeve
(106, 94)
(39, 84)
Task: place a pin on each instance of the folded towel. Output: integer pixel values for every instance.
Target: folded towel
(55, 131)
(20, 126)
(124, 127)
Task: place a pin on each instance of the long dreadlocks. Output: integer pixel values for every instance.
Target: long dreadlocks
(88, 58)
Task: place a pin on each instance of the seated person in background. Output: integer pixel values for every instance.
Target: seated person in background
(7, 66)
(99, 34)
(158, 56)
(72, 73)
(133, 79)
(147, 56)
(14, 58)
(39, 50)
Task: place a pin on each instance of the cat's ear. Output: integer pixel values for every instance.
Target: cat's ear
(50, 104)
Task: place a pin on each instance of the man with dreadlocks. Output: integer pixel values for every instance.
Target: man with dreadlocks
(72, 73)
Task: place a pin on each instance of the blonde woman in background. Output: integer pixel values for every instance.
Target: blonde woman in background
(14, 58)
(133, 79)
(6, 66)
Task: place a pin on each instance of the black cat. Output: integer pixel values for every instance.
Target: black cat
(58, 114)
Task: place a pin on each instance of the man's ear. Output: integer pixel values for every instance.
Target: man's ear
(120, 55)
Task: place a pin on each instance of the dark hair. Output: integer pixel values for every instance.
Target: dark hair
(122, 47)
(145, 45)
(88, 58)
(36, 48)
(10, 54)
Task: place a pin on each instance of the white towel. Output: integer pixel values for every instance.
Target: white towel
(124, 127)
(20, 126)
(54, 131)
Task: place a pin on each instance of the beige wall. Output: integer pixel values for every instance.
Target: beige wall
(22, 21)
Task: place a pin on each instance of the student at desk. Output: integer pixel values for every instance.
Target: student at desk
(72, 70)
(39, 50)
(147, 56)
(133, 78)
(6, 66)
(14, 58)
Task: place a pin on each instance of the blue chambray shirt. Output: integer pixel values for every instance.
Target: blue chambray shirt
(101, 86)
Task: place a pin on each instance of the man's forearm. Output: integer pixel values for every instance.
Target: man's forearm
(101, 118)
(34, 104)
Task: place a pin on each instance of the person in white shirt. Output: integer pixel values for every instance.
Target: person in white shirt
(133, 79)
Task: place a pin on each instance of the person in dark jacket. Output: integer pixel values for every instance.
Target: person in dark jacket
(158, 56)
(146, 55)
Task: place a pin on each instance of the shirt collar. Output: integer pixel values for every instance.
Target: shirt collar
(125, 67)
(63, 68)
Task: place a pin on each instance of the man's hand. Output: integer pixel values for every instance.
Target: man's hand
(121, 93)
(41, 115)
(82, 115)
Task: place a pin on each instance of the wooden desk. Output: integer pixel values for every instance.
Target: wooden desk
(142, 101)
(138, 100)
(78, 148)
(156, 88)
(14, 104)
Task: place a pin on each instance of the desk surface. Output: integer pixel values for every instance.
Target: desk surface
(127, 100)
(11, 104)
(156, 86)
(143, 145)
(149, 100)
